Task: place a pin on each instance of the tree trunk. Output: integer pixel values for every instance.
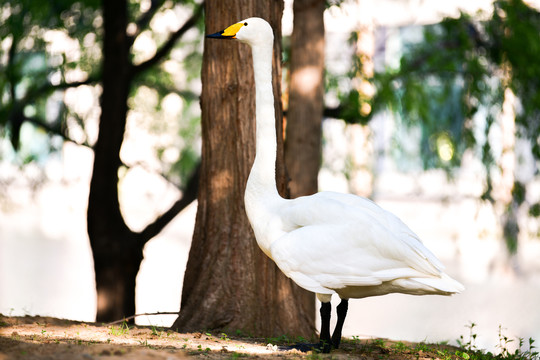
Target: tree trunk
(306, 92)
(116, 254)
(117, 250)
(229, 283)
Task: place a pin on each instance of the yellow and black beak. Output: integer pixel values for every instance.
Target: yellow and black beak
(228, 33)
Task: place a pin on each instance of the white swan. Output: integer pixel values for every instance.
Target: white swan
(328, 242)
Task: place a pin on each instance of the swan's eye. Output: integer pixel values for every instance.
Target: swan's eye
(245, 24)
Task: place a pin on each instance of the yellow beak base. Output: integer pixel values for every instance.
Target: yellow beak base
(228, 33)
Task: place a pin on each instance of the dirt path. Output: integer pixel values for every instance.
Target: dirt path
(50, 338)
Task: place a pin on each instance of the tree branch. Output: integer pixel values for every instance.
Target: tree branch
(188, 196)
(48, 87)
(143, 314)
(166, 48)
(16, 116)
(54, 130)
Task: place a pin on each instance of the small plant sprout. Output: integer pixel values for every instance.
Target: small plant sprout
(504, 341)
(400, 346)
(470, 345)
(379, 342)
(200, 348)
(156, 331)
(532, 353)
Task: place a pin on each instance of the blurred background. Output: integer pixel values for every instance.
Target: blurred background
(431, 108)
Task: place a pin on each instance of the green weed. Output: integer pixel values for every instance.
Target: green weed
(401, 347)
(157, 331)
(379, 343)
(470, 344)
(120, 330)
(473, 353)
(206, 350)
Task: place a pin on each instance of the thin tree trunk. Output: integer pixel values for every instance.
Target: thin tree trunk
(117, 250)
(229, 283)
(116, 255)
(306, 92)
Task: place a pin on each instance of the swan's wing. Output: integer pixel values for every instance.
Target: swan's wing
(336, 208)
(338, 240)
(315, 259)
(307, 256)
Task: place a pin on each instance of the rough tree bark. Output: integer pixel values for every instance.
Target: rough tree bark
(306, 92)
(229, 283)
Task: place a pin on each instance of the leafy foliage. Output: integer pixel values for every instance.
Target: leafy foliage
(34, 66)
(49, 49)
(451, 87)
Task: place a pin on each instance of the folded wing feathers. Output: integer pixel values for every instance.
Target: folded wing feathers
(375, 247)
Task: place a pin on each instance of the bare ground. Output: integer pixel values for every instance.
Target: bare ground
(49, 338)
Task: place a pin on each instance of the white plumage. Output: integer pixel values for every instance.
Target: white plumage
(328, 242)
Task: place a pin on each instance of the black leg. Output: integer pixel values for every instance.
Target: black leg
(325, 342)
(341, 313)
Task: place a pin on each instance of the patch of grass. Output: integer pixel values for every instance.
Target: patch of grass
(316, 356)
(379, 343)
(235, 355)
(282, 340)
(401, 347)
(147, 345)
(120, 330)
(469, 350)
(156, 331)
(422, 347)
(206, 350)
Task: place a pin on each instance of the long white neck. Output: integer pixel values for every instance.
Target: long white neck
(262, 178)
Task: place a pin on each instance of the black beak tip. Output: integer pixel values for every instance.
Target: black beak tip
(218, 35)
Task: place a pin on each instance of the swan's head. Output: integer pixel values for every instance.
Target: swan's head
(253, 31)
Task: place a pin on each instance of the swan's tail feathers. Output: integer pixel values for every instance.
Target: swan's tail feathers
(443, 285)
